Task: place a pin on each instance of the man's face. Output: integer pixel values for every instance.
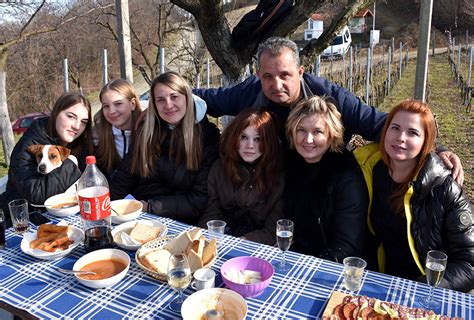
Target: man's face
(280, 77)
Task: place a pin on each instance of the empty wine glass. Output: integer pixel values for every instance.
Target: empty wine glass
(435, 266)
(179, 278)
(284, 232)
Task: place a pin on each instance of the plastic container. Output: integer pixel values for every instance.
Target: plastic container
(94, 206)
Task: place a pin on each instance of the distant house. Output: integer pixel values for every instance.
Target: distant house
(315, 27)
(359, 24)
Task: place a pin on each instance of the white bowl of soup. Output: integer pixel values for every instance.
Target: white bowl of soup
(110, 266)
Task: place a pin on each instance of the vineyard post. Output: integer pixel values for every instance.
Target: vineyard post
(433, 43)
(393, 48)
(66, 76)
(105, 72)
(400, 62)
(367, 77)
(389, 67)
(452, 50)
(344, 69)
(317, 66)
(469, 71)
(459, 55)
(350, 68)
(208, 74)
(162, 60)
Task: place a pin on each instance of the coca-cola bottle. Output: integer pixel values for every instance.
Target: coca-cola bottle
(94, 204)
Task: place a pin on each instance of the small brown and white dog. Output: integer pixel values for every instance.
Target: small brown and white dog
(50, 157)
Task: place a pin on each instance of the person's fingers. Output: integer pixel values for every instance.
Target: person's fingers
(445, 156)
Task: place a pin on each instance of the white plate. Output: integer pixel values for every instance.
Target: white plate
(77, 235)
(196, 305)
(62, 198)
(128, 226)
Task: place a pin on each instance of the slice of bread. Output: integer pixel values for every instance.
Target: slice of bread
(178, 244)
(195, 262)
(143, 233)
(194, 234)
(209, 251)
(157, 260)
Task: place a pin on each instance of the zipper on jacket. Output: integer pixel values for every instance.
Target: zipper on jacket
(124, 144)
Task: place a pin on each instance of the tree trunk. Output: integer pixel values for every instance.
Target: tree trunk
(5, 124)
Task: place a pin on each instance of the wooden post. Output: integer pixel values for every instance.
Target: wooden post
(389, 68)
(423, 46)
(469, 71)
(351, 65)
(400, 62)
(162, 60)
(66, 76)
(124, 44)
(105, 73)
(367, 76)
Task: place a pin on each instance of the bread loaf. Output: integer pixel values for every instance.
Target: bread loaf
(143, 233)
(157, 260)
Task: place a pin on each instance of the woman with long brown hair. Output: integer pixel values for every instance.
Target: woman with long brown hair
(246, 183)
(172, 154)
(416, 206)
(69, 125)
(115, 124)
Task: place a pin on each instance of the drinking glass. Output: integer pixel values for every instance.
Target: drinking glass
(284, 232)
(217, 229)
(179, 278)
(435, 266)
(19, 212)
(3, 223)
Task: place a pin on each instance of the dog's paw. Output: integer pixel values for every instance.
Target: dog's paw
(73, 159)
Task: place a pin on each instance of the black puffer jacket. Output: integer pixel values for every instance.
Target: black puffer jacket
(24, 181)
(171, 191)
(441, 218)
(328, 203)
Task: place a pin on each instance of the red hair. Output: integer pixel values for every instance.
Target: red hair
(429, 127)
(268, 167)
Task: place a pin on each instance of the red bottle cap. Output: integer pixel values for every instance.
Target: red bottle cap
(90, 160)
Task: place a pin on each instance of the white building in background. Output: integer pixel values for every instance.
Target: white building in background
(315, 27)
(360, 22)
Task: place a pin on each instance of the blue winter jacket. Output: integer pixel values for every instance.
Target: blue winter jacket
(357, 117)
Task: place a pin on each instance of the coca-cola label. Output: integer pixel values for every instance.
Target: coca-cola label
(95, 207)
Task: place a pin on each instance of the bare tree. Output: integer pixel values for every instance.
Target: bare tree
(19, 32)
(216, 33)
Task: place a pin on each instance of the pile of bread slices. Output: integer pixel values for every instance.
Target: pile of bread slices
(199, 251)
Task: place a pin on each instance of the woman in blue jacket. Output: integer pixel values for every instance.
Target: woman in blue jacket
(415, 204)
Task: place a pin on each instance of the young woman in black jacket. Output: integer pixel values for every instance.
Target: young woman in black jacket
(245, 185)
(324, 191)
(70, 126)
(175, 147)
(416, 206)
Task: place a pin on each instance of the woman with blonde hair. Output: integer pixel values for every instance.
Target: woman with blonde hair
(245, 185)
(415, 204)
(172, 154)
(115, 124)
(324, 192)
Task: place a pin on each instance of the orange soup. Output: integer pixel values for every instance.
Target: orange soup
(103, 268)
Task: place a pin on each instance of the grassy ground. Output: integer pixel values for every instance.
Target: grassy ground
(456, 127)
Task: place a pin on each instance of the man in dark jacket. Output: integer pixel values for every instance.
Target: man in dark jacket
(281, 82)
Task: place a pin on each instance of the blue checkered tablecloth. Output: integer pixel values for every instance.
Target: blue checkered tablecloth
(38, 288)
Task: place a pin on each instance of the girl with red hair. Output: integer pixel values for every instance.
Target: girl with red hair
(246, 183)
(415, 204)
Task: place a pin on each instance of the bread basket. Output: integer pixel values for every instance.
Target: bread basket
(159, 243)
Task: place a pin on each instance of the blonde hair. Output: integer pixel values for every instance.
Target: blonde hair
(106, 152)
(323, 107)
(186, 144)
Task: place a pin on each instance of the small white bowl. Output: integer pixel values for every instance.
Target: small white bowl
(125, 210)
(102, 254)
(128, 226)
(196, 305)
(76, 235)
(62, 198)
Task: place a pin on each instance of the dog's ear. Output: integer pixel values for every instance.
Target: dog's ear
(64, 152)
(34, 149)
